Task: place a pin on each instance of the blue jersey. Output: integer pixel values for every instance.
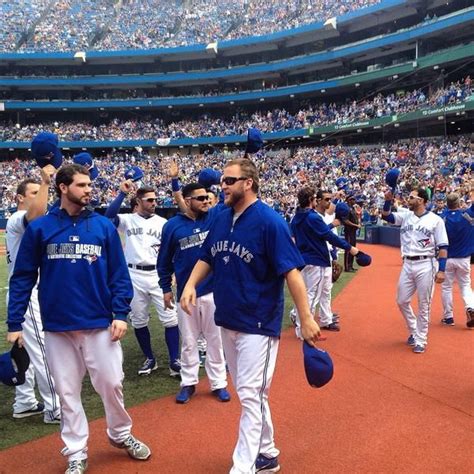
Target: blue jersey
(460, 228)
(311, 235)
(181, 241)
(84, 280)
(249, 259)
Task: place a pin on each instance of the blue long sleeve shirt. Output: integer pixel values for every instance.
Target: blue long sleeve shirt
(84, 281)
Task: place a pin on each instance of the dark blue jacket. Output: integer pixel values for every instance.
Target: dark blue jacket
(181, 241)
(460, 229)
(311, 235)
(84, 280)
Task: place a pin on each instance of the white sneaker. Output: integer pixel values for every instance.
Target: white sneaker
(76, 467)
(135, 448)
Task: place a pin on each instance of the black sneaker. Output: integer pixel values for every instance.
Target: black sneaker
(448, 321)
(331, 327)
(38, 410)
(470, 318)
(266, 464)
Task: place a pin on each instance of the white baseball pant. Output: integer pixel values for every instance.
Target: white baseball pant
(201, 321)
(146, 291)
(457, 269)
(417, 276)
(33, 336)
(251, 359)
(318, 281)
(71, 354)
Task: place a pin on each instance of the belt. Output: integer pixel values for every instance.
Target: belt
(418, 257)
(146, 268)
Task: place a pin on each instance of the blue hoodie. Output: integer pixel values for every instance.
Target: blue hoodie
(249, 259)
(311, 234)
(460, 229)
(181, 241)
(84, 280)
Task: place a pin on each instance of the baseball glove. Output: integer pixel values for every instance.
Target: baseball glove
(336, 271)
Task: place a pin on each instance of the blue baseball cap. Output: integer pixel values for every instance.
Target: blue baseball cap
(363, 260)
(318, 366)
(85, 159)
(134, 173)
(342, 211)
(13, 366)
(254, 140)
(45, 150)
(391, 178)
(209, 177)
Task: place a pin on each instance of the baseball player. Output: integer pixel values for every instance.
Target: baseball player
(460, 228)
(181, 242)
(422, 234)
(142, 232)
(312, 235)
(351, 226)
(32, 198)
(251, 254)
(84, 293)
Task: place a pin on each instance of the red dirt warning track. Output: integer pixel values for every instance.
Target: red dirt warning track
(387, 410)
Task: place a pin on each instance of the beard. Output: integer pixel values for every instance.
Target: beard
(83, 202)
(232, 199)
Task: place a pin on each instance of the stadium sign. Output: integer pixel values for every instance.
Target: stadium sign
(444, 110)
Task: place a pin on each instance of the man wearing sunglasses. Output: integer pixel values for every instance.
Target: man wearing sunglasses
(250, 253)
(422, 234)
(183, 236)
(142, 233)
(312, 236)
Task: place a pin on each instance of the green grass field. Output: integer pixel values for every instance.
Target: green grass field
(136, 389)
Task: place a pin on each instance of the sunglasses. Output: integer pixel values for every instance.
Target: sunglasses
(199, 198)
(149, 199)
(230, 180)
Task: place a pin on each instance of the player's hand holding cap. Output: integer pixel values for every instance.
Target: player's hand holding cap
(45, 150)
(13, 366)
(318, 366)
(135, 173)
(85, 159)
(363, 259)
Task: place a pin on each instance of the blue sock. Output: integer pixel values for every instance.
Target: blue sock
(144, 341)
(172, 342)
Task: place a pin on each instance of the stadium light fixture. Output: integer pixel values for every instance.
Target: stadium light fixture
(436, 67)
(262, 99)
(64, 109)
(231, 102)
(452, 123)
(395, 76)
(292, 96)
(323, 91)
(170, 106)
(201, 105)
(357, 84)
(137, 108)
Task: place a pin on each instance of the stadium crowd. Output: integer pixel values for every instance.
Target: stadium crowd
(210, 125)
(439, 165)
(77, 25)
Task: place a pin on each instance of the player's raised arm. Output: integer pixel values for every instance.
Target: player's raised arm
(112, 211)
(173, 172)
(39, 205)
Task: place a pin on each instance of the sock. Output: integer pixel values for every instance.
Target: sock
(172, 342)
(144, 341)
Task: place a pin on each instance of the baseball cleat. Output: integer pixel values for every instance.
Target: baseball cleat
(175, 368)
(202, 358)
(39, 408)
(470, 318)
(266, 464)
(418, 349)
(411, 340)
(76, 467)
(221, 394)
(331, 327)
(448, 321)
(135, 448)
(56, 420)
(185, 394)
(148, 366)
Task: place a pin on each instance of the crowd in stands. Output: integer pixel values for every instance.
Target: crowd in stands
(78, 25)
(210, 125)
(441, 165)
